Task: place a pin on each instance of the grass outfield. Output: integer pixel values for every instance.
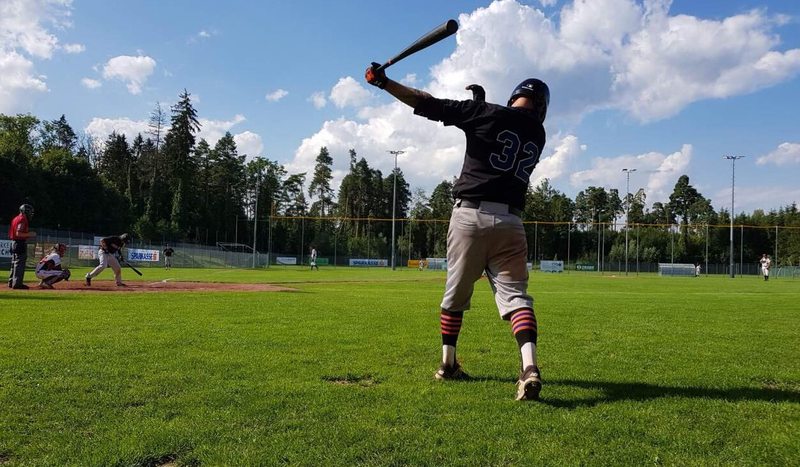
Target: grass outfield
(637, 370)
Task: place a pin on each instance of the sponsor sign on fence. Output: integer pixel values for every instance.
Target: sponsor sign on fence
(369, 262)
(585, 267)
(142, 255)
(87, 252)
(285, 260)
(551, 266)
(5, 248)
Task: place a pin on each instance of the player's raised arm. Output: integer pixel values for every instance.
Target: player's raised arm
(405, 94)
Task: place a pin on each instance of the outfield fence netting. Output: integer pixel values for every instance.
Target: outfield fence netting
(611, 248)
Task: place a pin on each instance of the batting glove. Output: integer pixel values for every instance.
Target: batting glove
(376, 77)
(478, 94)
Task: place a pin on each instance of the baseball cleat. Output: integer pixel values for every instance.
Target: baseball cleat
(529, 385)
(450, 373)
(121, 284)
(45, 285)
(88, 280)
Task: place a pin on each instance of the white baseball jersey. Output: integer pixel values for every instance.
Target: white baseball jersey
(54, 257)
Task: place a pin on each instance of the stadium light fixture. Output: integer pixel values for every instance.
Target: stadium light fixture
(394, 197)
(627, 212)
(733, 160)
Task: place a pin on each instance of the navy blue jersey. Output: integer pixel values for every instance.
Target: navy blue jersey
(503, 147)
(111, 244)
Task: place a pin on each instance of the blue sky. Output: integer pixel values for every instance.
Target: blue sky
(664, 87)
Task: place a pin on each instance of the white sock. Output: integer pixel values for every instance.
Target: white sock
(449, 355)
(528, 352)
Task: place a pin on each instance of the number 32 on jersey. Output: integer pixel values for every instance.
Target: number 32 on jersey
(514, 153)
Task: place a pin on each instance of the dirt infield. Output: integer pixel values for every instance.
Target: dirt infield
(159, 286)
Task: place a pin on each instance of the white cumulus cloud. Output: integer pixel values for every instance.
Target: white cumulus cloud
(25, 37)
(349, 92)
(654, 172)
(90, 83)
(785, 154)
(213, 130)
(249, 144)
(318, 100)
(133, 71)
(276, 95)
(100, 128)
(74, 48)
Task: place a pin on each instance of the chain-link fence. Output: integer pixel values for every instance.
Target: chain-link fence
(599, 247)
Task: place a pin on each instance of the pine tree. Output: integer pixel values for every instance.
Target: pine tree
(320, 186)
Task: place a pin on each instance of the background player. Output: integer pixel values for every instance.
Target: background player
(486, 232)
(19, 233)
(110, 248)
(766, 263)
(168, 252)
(313, 259)
(49, 269)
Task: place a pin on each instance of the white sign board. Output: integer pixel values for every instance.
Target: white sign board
(87, 252)
(135, 254)
(369, 262)
(5, 248)
(285, 260)
(551, 266)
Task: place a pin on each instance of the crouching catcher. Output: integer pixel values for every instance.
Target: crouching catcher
(49, 268)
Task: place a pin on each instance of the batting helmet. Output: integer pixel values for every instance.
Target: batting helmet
(26, 209)
(125, 238)
(537, 91)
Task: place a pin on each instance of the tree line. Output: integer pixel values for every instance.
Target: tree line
(166, 185)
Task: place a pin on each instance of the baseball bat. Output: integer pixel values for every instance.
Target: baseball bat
(448, 28)
(131, 266)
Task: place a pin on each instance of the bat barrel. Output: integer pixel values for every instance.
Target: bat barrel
(444, 30)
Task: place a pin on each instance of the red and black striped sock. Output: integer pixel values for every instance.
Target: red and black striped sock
(451, 326)
(523, 325)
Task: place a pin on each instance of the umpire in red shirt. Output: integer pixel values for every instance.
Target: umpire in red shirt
(19, 235)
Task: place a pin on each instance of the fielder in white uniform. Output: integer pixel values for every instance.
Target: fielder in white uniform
(49, 268)
(313, 258)
(765, 265)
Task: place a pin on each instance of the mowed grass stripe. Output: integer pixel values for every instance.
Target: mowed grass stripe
(637, 370)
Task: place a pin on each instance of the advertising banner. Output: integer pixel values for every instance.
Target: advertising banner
(551, 266)
(87, 252)
(286, 260)
(5, 248)
(585, 267)
(135, 254)
(369, 262)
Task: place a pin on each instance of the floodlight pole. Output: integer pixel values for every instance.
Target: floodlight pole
(733, 198)
(394, 197)
(255, 226)
(627, 212)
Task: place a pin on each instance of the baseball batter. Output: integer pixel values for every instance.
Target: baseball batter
(49, 268)
(503, 145)
(110, 248)
(766, 263)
